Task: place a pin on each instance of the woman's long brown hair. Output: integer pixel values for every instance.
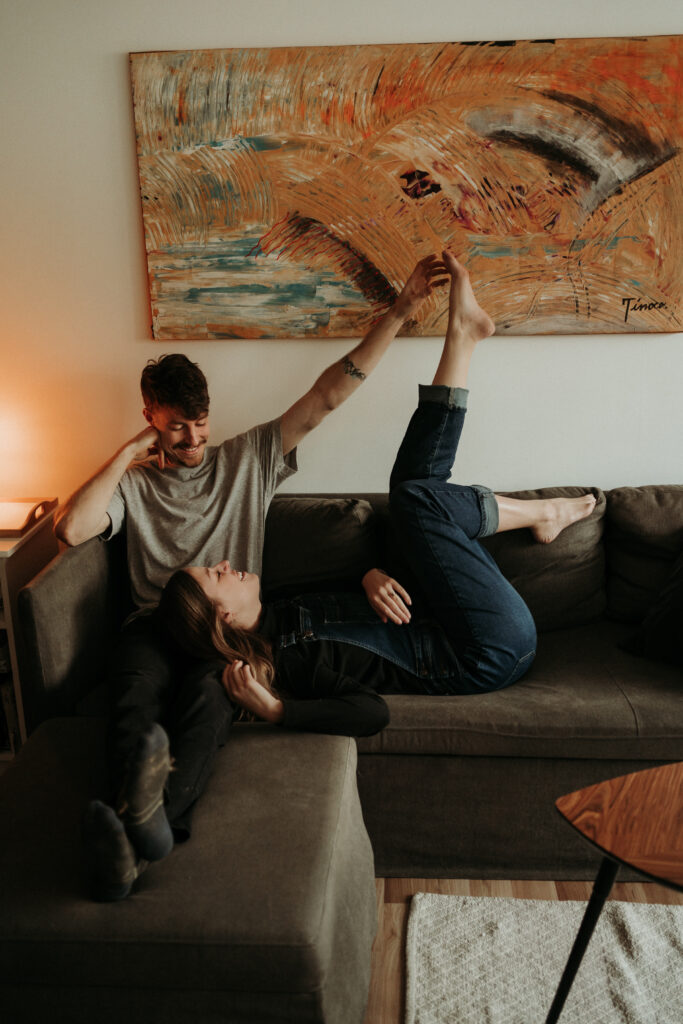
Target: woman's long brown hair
(195, 624)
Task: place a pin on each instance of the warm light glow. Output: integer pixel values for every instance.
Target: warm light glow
(17, 465)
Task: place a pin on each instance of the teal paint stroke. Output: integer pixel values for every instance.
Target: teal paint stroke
(233, 280)
(496, 250)
(256, 143)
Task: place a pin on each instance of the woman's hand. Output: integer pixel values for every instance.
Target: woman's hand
(244, 689)
(387, 597)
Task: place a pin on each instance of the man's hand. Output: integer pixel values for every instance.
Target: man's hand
(244, 689)
(430, 273)
(84, 514)
(147, 443)
(388, 598)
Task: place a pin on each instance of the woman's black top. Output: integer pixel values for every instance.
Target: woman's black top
(328, 686)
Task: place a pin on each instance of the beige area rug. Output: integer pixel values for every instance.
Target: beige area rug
(472, 960)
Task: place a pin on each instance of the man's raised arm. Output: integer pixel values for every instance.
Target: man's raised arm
(84, 514)
(341, 379)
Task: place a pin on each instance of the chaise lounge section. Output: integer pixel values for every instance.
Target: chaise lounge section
(267, 915)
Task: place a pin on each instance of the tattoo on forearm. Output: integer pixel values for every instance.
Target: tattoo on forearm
(352, 369)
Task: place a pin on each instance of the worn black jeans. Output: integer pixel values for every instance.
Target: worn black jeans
(152, 681)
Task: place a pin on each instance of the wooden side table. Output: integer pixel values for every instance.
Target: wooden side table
(20, 559)
(636, 820)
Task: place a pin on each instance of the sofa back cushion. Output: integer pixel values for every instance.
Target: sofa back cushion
(325, 542)
(643, 537)
(70, 615)
(563, 583)
(317, 543)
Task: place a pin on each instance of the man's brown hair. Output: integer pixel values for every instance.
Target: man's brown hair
(173, 381)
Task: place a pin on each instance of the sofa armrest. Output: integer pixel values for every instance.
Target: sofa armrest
(69, 615)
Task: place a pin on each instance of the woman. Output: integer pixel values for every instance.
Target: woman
(454, 625)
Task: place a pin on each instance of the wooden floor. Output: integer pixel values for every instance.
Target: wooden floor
(385, 1003)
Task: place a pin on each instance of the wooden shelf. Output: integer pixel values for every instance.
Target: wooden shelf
(21, 558)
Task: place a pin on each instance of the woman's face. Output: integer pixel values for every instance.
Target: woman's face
(236, 594)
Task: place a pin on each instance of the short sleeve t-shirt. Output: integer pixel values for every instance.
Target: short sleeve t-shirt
(199, 515)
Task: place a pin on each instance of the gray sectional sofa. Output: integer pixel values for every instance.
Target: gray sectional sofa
(465, 786)
(453, 787)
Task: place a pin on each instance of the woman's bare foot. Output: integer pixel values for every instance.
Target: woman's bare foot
(560, 513)
(545, 517)
(468, 324)
(465, 315)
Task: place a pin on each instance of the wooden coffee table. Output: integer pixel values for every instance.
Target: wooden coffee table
(636, 820)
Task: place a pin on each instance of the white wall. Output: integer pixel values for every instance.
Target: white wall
(75, 320)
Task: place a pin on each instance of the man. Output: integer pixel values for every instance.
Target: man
(188, 503)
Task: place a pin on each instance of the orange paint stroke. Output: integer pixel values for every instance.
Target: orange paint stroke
(622, 67)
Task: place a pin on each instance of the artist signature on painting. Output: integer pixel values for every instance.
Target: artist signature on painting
(640, 306)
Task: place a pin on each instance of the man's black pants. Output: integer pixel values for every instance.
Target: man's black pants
(151, 680)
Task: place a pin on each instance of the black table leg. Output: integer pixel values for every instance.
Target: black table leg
(602, 887)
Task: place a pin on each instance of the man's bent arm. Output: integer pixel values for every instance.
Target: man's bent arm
(341, 379)
(84, 514)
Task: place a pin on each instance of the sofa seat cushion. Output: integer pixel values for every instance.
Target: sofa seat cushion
(271, 904)
(583, 698)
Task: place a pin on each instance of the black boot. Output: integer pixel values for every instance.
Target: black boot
(141, 802)
(112, 865)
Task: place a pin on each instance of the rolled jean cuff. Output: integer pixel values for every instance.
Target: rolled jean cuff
(441, 394)
(489, 510)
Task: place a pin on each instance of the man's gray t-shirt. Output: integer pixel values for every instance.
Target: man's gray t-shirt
(201, 515)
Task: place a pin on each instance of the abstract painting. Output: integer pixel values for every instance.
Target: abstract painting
(288, 192)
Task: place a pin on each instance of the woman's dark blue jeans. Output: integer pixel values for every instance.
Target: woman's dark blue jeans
(436, 526)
